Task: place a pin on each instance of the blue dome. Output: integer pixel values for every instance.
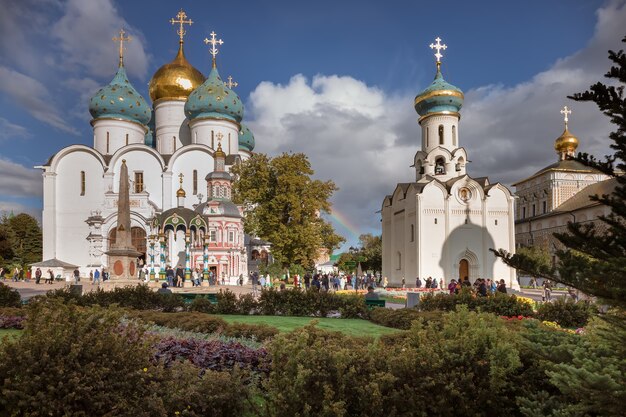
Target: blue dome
(439, 96)
(120, 100)
(213, 99)
(246, 139)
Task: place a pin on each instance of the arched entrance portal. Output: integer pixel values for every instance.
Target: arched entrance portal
(138, 241)
(463, 269)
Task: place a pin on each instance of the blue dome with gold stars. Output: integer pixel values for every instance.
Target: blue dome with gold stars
(120, 100)
(246, 139)
(214, 100)
(439, 96)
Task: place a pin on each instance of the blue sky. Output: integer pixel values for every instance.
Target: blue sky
(334, 79)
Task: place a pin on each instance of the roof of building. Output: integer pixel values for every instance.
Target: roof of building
(54, 263)
(228, 208)
(566, 165)
(582, 199)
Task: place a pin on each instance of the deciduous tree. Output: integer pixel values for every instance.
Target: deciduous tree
(283, 205)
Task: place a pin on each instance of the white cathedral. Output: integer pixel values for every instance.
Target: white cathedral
(443, 224)
(178, 153)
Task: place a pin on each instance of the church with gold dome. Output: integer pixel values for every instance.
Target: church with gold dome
(178, 150)
(443, 223)
(558, 194)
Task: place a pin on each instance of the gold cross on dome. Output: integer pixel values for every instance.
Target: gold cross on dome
(214, 42)
(180, 179)
(231, 83)
(439, 47)
(181, 21)
(121, 40)
(565, 112)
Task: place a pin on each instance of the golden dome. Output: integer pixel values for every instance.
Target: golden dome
(566, 143)
(175, 80)
(181, 193)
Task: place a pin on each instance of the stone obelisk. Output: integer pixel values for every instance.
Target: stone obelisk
(122, 254)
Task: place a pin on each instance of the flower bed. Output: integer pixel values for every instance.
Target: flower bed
(12, 322)
(213, 355)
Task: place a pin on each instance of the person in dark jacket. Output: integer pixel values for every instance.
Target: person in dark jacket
(482, 288)
(502, 287)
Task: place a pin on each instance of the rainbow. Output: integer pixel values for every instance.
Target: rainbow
(342, 220)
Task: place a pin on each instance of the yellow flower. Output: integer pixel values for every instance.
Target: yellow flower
(145, 369)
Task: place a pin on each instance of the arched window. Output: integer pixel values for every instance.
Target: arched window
(127, 139)
(82, 182)
(108, 142)
(440, 166)
(453, 135)
(195, 181)
(441, 134)
(412, 233)
(399, 260)
(427, 136)
(435, 220)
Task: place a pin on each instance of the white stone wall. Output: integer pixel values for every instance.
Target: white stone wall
(185, 161)
(171, 126)
(207, 132)
(119, 134)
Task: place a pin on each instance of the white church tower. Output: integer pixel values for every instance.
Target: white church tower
(443, 224)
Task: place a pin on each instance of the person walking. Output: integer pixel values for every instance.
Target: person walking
(169, 276)
(180, 276)
(37, 275)
(16, 274)
(547, 291)
(50, 278)
(418, 282)
(76, 276)
(96, 277)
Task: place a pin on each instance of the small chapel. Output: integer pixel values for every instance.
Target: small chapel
(178, 152)
(442, 224)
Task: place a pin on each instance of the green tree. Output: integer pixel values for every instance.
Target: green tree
(6, 243)
(594, 261)
(26, 240)
(283, 205)
(372, 252)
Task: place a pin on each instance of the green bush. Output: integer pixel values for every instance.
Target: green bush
(296, 302)
(353, 307)
(259, 332)
(201, 304)
(9, 297)
(82, 362)
(227, 302)
(247, 304)
(139, 297)
(566, 313)
(403, 318)
(499, 304)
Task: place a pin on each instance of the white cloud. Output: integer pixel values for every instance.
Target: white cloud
(365, 139)
(10, 130)
(19, 181)
(34, 97)
(85, 33)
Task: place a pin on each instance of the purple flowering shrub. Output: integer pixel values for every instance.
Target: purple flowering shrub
(12, 322)
(214, 355)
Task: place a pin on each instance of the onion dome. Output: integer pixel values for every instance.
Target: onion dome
(566, 143)
(439, 96)
(246, 139)
(120, 100)
(175, 80)
(181, 193)
(214, 100)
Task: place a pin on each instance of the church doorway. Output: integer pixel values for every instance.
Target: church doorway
(463, 269)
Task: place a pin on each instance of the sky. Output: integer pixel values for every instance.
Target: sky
(333, 79)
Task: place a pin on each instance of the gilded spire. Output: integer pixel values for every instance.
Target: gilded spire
(214, 42)
(438, 46)
(181, 16)
(180, 192)
(121, 40)
(566, 144)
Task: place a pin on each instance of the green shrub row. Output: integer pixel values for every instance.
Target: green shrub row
(293, 302)
(403, 318)
(203, 323)
(566, 312)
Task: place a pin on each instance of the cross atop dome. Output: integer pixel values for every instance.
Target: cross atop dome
(565, 112)
(121, 40)
(439, 47)
(231, 83)
(181, 15)
(214, 42)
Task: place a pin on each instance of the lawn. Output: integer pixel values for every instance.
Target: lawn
(11, 333)
(351, 327)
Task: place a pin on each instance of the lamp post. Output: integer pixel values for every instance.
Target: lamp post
(162, 255)
(152, 240)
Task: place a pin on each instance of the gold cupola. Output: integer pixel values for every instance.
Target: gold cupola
(566, 144)
(177, 79)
